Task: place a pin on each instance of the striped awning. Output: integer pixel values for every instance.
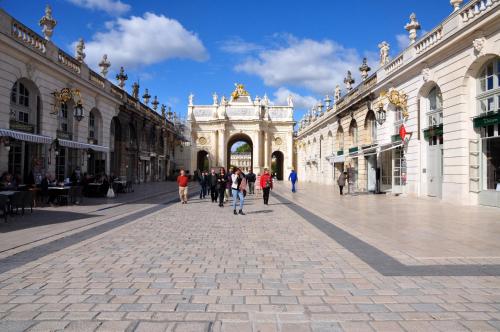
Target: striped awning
(82, 146)
(19, 135)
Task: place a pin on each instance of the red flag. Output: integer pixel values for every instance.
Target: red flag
(402, 132)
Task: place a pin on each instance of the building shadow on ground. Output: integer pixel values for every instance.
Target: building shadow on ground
(40, 218)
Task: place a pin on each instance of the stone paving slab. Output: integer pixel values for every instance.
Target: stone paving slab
(197, 267)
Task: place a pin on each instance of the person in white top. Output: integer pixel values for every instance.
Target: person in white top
(238, 189)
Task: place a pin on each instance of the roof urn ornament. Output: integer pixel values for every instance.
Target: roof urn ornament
(155, 103)
(104, 65)
(328, 102)
(456, 4)
(349, 81)
(337, 93)
(320, 108)
(146, 97)
(163, 111)
(364, 69)
(135, 90)
(412, 28)
(121, 77)
(79, 54)
(384, 52)
(169, 113)
(48, 23)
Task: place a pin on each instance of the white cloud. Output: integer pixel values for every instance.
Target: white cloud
(403, 41)
(237, 45)
(146, 40)
(112, 7)
(299, 101)
(315, 65)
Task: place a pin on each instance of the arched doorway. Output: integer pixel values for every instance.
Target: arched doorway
(277, 160)
(202, 161)
(240, 152)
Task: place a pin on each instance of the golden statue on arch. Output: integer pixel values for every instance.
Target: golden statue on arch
(239, 91)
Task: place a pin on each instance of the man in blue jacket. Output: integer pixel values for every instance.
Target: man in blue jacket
(293, 177)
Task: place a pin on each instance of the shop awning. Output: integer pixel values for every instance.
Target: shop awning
(82, 146)
(19, 135)
(339, 159)
(145, 158)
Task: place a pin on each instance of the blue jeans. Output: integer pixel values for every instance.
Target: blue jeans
(237, 194)
(293, 186)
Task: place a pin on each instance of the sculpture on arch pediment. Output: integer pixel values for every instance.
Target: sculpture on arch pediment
(215, 98)
(384, 52)
(289, 100)
(191, 99)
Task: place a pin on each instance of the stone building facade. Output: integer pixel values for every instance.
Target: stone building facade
(267, 128)
(425, 123)
(58, 115)
(241, 160)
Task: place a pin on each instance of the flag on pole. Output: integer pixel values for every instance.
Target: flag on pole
(402, 132)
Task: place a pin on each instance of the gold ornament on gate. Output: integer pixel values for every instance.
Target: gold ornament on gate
(239, 91)
(64, 96)
(398, 99)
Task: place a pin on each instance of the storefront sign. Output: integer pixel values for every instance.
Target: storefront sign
(433, 131)
(487, 120)
(354, 149)
(395, 138)
(20, 126)
(340, 152)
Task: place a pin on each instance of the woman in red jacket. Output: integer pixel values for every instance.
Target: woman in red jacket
(266, 183)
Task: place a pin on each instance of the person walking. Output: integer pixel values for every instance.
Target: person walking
(212, 185)
(266, 183)
(202, 180)
(182, 181)
(293, 178)
(238, 188)
(221, 185)
(228, 184)
(251, 177)
(341, 181)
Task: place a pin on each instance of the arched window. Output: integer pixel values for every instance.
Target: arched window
(489, 87)
(340, 139)
(20, 97)
(64, 118)
(371, 126)
(435, 113)
(353, 132)
(92, 126)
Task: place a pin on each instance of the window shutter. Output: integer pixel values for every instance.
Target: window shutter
(474, 163)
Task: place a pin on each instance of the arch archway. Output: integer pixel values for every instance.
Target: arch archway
(242, 159)
(202, 161)
(277, 160)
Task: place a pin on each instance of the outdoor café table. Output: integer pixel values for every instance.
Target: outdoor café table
(94, 189)
(58, 191)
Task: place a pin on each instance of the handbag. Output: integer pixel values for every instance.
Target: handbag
(111, 192)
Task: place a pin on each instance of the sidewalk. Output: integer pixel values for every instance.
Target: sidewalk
(49, 223)
(414, 231)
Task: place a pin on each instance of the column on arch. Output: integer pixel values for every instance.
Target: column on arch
(221, 161)
(256, 151)
(266, 150)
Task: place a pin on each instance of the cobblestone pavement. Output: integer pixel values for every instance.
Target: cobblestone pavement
(197, 267)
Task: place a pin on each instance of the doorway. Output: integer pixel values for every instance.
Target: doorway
(435, 166)
(202, 161)
(240, 152)
(371, 172)
(277, 160)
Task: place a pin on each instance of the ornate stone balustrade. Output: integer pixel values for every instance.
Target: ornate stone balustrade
(394, 64)
(429, 40)
(96, 79)
(476, 8)
(28, 37)
(117, 91)
(69, 62)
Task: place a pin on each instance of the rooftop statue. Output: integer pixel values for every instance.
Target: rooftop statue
(384, 53)
(239, 91)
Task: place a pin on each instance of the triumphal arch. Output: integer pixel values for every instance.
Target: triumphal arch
(267, 128)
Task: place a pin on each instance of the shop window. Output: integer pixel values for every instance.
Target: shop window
(399, 167)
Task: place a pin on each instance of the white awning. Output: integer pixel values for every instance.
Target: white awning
(339, 159)
(25, 136)
(83, 146)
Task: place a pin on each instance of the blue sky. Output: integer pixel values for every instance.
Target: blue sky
(203, 46)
